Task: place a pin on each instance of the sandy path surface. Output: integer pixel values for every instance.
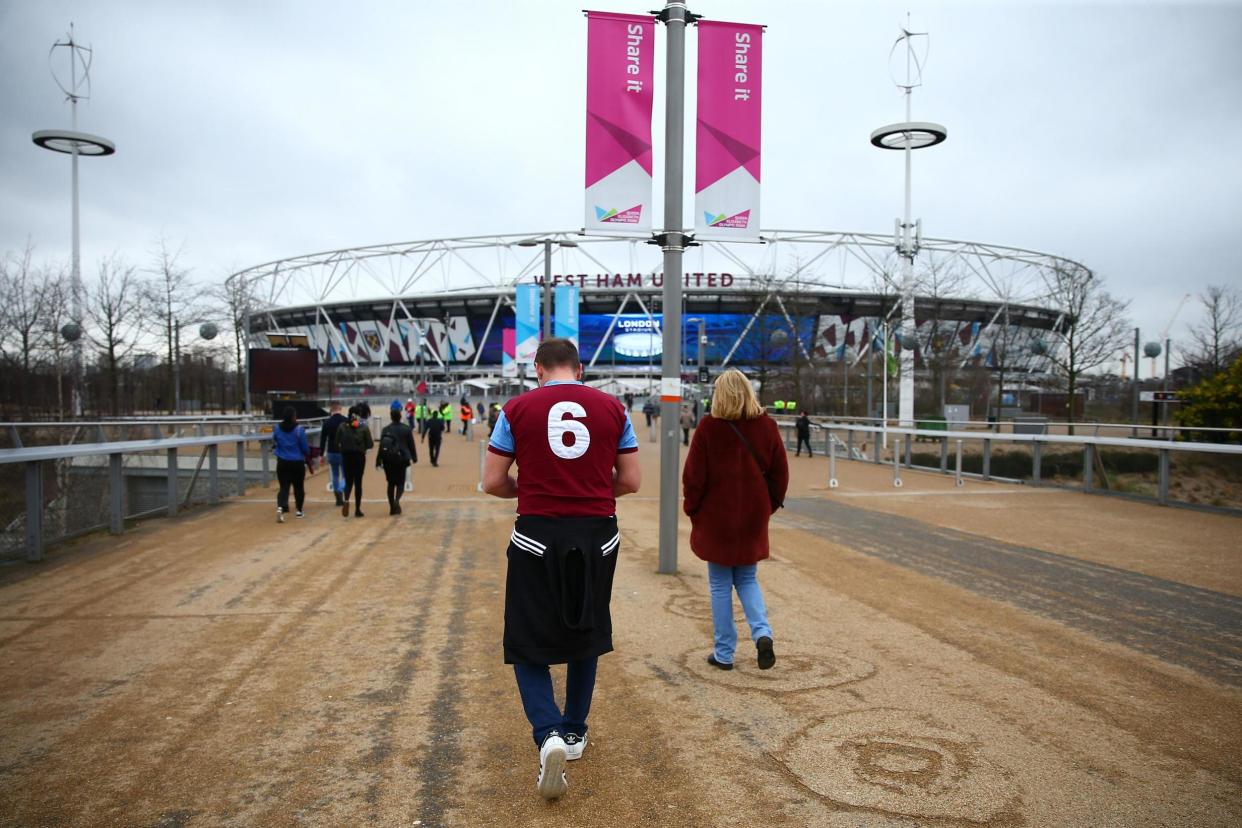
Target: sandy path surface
(945, 658)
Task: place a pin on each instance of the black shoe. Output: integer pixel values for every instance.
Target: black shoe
(340, 501)
(358, 513)
(398, 508)
(711, 659)
(392, 510)
(766, 657)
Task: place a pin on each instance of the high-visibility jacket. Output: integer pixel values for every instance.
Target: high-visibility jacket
(779, 405)
(420, 412)
(467, 413)
(791, 406)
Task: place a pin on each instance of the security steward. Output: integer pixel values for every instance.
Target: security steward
(576, 452)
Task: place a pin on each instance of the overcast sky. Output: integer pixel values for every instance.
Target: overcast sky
(249, 131)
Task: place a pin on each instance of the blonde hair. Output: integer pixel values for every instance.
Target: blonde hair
(733, 398)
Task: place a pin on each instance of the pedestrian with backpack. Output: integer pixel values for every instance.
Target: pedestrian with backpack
(292, 460)
(353, 439)
(436, 425)
(396, 453)
(327, 443)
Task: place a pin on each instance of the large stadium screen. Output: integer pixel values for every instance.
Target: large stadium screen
(634, 338)
(284, 369)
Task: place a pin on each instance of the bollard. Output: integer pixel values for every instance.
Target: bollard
(944, 455)
(849, 444)
(896, 468)
(876, 439)
(987, 459)
(482, 459)
(1088, 467)
(909, 440)
(958, 463)
(832, 462)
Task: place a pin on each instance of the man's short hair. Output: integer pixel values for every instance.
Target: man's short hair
(557, 352)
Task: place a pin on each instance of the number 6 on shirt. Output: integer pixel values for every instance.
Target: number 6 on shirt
(560, 424)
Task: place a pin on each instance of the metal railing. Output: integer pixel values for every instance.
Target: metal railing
(1094, 428)
(868, 443)
(88, 480)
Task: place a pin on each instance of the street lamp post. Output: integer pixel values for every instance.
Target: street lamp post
(907, 137)
(547, 275)
(75, 144)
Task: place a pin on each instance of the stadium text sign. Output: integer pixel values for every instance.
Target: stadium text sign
(636, 280)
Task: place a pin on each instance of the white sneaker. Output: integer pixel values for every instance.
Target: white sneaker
(299, 514)
(280, 515)
(552, 782)
(574, 745)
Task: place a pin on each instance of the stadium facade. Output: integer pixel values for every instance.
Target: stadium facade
(437, 308)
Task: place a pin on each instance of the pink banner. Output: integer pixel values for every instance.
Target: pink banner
(727, 141)
(620, 57)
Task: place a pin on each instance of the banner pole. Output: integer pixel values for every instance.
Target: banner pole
(673, 242)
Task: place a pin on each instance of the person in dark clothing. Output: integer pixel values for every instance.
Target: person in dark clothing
(292, 460)
(352, 441)
(649, 411)
(327, 437)
(396, 453)
(802, 426)
(436, 424)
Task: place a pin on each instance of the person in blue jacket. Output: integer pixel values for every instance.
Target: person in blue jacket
(292, 460)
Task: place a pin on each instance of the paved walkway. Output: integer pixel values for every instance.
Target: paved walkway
(995, 655)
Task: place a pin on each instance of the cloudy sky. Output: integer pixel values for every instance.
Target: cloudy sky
(251, 131)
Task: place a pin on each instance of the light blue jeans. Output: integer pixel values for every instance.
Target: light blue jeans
(338, 479)
(722, 580)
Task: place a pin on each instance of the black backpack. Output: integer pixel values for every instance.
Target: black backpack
(389, 448)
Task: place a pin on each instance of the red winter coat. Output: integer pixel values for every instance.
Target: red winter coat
(725, 494)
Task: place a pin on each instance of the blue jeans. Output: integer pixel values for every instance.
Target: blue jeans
(534, 683)
(338, 478)
(722, 580)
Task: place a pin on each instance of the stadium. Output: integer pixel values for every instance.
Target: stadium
(435, 310)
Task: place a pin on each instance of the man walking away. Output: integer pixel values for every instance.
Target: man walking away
(396, 453)
(686, 421)
(352, 441)
(436, 424)
(292, 461)
(576, 451)
(327, 441)
(802, 426)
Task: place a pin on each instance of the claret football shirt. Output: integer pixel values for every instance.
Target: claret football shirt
(565, 438)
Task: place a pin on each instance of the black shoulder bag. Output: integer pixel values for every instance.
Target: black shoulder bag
(775, 501)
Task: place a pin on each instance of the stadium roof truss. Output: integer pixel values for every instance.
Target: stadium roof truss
(821, 271)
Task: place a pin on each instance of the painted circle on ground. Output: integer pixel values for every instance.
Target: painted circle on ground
(699, 607)
(900, 763)
(797, 669)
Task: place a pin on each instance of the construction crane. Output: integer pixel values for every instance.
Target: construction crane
(1164, 337)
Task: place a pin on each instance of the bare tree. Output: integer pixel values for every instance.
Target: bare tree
(172, 296)
(23, 302)
(1094, 329)
(232, 298)
(114, 309)
(54, 346)
(1216, 338)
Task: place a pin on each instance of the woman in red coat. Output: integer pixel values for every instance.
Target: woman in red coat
(735, 477)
